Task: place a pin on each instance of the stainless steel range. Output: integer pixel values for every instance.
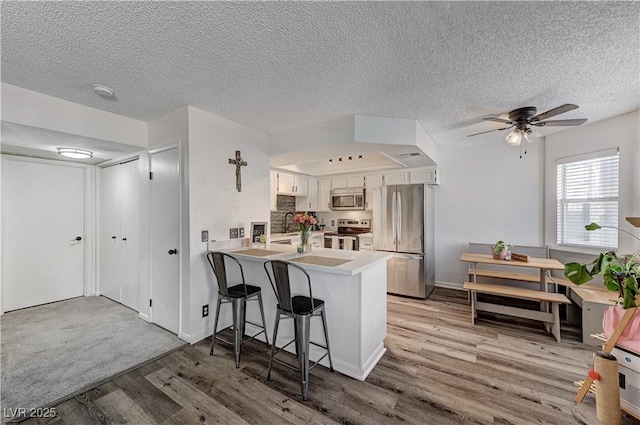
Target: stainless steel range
(347, 235)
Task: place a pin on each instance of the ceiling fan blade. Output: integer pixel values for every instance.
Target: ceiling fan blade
(489, 131)
(559, 123)
(553, 112)
(497, 120)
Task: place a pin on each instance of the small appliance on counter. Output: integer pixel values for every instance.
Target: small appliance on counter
(347, 235)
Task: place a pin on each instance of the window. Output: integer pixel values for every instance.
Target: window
(588, 192)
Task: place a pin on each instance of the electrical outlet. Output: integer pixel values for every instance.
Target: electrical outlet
(205, 310)
(241, 232)
(205, 235)
(233, 233)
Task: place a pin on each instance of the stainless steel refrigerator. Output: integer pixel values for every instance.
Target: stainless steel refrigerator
(403, 225)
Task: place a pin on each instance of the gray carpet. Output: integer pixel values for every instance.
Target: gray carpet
(56, 351)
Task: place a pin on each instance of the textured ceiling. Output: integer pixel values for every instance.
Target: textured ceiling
(275, 66)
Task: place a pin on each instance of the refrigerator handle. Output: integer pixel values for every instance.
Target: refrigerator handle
(399, 217)
(393, 215)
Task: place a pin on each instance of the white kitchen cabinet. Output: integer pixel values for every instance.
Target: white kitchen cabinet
(365, 242)
(371, 181)
(273, 191)
(391, 179)
(324, 195)
(339, 183)
(291, 184)
(119, 234)
(428, 175)
(309, 202)
(355, 181)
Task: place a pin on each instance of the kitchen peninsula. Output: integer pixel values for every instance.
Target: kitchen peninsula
(354, 288)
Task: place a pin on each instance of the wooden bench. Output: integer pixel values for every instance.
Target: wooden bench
(513, 292)
(505, 272)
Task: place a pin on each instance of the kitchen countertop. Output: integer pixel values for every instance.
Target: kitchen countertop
(359, 261)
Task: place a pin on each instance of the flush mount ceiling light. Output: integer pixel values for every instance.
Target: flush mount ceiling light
(103, 91)
(75, 153)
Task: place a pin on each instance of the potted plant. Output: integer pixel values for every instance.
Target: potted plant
(621, 275)
(501, 250)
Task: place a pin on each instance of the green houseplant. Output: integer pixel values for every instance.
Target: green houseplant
(619, 274)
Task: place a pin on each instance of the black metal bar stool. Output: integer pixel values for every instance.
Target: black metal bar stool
(238, 296)
(301, 309)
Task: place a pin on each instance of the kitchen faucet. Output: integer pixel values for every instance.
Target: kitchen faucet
(286, 223)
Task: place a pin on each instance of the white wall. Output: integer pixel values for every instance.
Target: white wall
(487, 193)
(215, 204)
(35, 109)
(622, 132)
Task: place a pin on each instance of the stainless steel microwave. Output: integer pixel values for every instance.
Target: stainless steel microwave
(347, 199)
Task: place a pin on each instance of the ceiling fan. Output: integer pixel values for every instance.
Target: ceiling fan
(522, 118)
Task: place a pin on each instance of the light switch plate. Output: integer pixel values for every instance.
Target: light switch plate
(205, 235)
(241, 232)
(233, 233)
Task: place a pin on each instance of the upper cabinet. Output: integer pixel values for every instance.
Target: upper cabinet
(324, 195)
(371, 181)
(355, 181)
(309, 202)
(291, 184)
(339, 183)
(429, 175)
(425, 175)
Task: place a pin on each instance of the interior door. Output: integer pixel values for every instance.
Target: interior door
(410, 213)
(42, 232)
(165, 238)
(110, 233)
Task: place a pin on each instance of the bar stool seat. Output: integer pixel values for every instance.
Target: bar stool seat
(237, 295)
(301, 309)
(304, 305)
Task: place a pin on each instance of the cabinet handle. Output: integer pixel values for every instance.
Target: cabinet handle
(173, 251)
(124, 239)
(113, 237)
(309, 205)
(293, 188)
(76, 239)
(296, 189)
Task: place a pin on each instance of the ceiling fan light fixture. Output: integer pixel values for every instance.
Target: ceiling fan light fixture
(515, 137)
(75, 153)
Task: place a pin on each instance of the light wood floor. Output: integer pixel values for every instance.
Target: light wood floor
(439, 369)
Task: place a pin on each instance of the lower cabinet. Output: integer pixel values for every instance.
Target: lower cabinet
(119, 233)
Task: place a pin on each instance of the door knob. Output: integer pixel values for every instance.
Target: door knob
(76, 239)
(173, 251)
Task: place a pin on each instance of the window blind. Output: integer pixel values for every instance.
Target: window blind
(588, 193)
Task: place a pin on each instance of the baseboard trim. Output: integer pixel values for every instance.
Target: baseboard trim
(143, 316)
(449, 285)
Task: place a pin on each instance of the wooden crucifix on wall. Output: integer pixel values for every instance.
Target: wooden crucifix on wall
(238, 162)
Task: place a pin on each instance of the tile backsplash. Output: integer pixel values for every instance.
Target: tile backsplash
(284, 205)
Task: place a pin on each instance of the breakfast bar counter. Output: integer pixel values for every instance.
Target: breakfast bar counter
(353, 285)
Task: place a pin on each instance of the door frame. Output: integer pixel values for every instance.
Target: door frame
(89, 213)
(183, 243)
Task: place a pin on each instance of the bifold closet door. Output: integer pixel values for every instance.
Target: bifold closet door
(120, 233)
(130, 235)
(110, 232)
